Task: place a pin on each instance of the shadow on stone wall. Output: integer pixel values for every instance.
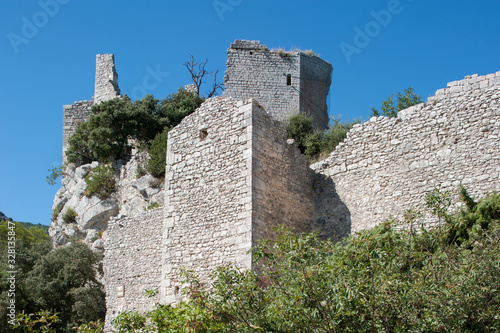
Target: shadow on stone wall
(332, 218)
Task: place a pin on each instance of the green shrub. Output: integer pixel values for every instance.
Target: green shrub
(337, 132)
(177, 106)
(403, 101)
(91, 327)
(381, 280)
(41, 321)
(70, 216)
(101, 181)
(299, 127)
(140, 171)
(113, 124)
(152, 206)
(158, 154)
(315, 143)
(55, 212)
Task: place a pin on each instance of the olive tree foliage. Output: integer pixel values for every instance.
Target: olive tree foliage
(314, 143)
(115, 125)
(390, 108)
(111, 127)
(388, 279)
(62, 281)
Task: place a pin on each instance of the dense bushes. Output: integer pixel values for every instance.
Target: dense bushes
(62, 280)
(390, 108)
(315, 143)
(158, 154)
(115, 125)
(386, 279)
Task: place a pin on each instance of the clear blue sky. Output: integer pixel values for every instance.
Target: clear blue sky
(47, 59)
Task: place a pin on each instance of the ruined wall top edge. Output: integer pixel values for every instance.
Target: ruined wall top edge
(455, 90)
(255, 45)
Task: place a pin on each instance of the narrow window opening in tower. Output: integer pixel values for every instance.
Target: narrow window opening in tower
(289, 79)
(203, 134)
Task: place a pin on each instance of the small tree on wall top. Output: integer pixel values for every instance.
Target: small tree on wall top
(390, 108)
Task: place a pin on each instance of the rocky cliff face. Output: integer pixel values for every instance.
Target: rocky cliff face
(135, 193)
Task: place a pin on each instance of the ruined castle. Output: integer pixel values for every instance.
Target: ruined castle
(232, 175)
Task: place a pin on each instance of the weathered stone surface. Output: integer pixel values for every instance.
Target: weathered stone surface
(231, 177)
(133, 196)
(132, 260)
(106, 78)
(136, 194)
(284, 83)
(387, 165)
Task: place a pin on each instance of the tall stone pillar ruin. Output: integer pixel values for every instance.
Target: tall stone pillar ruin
(106, 88)
(106, 79)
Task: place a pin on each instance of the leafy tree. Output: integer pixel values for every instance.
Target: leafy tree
(337, 132)
(390, 108)
(30, 245)
(55, 173)
(115, 125)
(111, 128)
(63, 280)
(158, 154)
(314, 143)
(177, 106)
(30, 236)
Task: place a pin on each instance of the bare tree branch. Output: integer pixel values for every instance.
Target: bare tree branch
(198, 72)
(216, 86)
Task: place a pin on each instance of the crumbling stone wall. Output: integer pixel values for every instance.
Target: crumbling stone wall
(132, 262)
(315, 81)
(284, 83)
(73, 115)
(387, 165)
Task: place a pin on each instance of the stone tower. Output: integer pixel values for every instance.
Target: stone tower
(106, 78)
(106, 87)
(284, 83)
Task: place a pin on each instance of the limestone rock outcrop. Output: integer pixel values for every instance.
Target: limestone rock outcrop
(136, 192)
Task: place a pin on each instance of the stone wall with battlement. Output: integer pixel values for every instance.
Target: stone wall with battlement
(132, 262)
(387, 165)
(284, 83)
